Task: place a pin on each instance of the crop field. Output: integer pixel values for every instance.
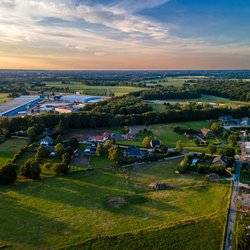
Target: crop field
(81, 210)
(4, 98)
(96, 90)
(9, 148)
(165, 132)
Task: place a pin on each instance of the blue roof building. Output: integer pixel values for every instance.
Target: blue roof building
(134, 152)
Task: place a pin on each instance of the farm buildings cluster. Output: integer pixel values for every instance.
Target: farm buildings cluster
(31, 105)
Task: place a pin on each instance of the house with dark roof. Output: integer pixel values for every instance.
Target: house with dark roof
(117, 137)
(46, 141)
(206, 133)
(155, 143)
(220, 160)
(78, 153)
(134, 152)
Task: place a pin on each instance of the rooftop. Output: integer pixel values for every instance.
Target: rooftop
(17, 102)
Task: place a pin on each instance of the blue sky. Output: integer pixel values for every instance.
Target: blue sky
(125, 34)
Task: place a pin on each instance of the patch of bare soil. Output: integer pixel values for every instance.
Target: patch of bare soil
(117, 202)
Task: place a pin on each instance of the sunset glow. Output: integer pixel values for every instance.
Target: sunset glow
(126, 34)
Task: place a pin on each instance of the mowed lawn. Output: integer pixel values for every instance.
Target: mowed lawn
(165, 132)
(9, 148)
(73, 212)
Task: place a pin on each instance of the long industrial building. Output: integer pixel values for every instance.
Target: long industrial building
(81, 98)
(18, 105)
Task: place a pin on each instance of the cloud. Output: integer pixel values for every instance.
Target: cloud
(133, 6)
(81, 30)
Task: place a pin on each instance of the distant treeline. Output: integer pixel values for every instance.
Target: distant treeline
(118, 111)
(235, 90)
(170, 92)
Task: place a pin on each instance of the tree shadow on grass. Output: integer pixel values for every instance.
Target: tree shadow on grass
(25, 227)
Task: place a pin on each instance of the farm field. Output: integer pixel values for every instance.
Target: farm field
(176, 81)
(158, 105)
(165, 132)
(75, 211)
(4, 98)
(9, 148)
(96, 90)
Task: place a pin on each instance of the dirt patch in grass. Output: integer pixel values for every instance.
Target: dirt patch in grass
(116, 202)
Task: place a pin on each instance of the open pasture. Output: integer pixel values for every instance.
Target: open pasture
(74, 211)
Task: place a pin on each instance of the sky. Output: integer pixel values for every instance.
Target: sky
(124, 34)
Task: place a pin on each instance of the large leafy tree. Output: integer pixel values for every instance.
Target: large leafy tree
(8, 173)
(212, 149)
(179, 147)
(31, 169)
(32, 133)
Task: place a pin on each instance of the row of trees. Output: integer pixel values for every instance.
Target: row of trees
(171, 92)
(107, 114)
(236, 90)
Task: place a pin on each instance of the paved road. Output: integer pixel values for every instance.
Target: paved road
(233, 208)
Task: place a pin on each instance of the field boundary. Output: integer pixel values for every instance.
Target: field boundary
(150, 229)
(228, 212)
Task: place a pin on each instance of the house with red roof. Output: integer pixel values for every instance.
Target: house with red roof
(100, 138)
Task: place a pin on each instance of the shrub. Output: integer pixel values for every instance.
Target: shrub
(60, 168)
(6, 133)
(73, 142)
(31, 169)
(69, 150)
(66, 159)
(218, 169)
(47, 165)
(8, 173)
(42, 152)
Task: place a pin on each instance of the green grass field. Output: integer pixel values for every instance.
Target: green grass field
(9, 148)
(205, 98)
(71, 212)
(96, 90)
(4, 98)
(165, 132)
